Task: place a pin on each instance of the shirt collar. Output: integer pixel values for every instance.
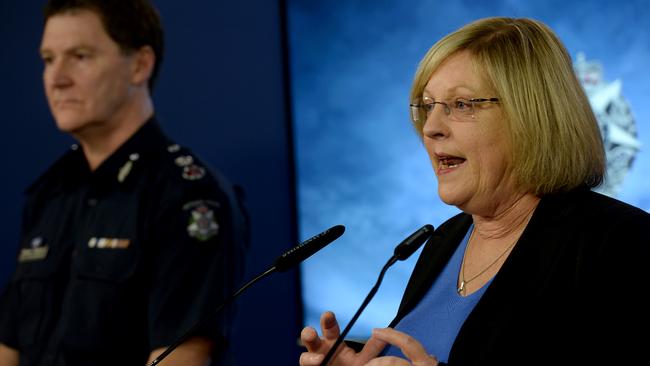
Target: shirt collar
(122, 163)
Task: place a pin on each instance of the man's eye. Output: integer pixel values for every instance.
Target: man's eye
(81, 56)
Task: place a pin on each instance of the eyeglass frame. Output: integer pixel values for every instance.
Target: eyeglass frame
(415, 108)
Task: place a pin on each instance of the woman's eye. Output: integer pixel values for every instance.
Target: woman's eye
(462, 105)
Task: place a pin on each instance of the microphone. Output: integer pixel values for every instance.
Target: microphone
(407, 247)
(404, 250)
(284, 262)
(307, 248)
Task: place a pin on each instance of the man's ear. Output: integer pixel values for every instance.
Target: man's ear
(144, 61)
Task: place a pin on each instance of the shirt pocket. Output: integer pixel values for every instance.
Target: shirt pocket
(105, 297)
(112, 263)
(35, 292)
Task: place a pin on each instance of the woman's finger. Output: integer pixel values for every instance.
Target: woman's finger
(388, 361)
(329, 326)
(311, 359)
(372, 348)
(310, 339)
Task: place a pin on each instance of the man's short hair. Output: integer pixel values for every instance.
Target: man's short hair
(132, 24)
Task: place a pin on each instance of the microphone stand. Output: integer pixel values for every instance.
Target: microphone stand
(196, 325)
(404, 250)
(287, 260)
(365, 303)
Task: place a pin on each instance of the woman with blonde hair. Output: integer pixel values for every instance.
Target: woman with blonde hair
(537, 269)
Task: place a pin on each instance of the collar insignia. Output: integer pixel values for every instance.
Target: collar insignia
(124, 171)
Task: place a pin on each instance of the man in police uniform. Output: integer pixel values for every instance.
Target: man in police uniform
(127, 240)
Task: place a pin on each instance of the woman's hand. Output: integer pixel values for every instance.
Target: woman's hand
(317, 347)
(410, 347)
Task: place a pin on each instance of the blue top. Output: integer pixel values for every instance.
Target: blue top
(436, 320)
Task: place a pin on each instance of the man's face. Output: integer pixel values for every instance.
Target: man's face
(88, 79)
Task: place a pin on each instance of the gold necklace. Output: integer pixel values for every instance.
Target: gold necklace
(461, 288)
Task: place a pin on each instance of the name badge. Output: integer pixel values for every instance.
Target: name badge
(33, 254)
(36, 251)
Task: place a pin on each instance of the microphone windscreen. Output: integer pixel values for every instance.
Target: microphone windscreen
(407, 247)
(307, 248)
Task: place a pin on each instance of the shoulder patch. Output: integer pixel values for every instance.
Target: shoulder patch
(202, 224)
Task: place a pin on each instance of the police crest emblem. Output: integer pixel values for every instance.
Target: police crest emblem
(202, 224)
(615, 120)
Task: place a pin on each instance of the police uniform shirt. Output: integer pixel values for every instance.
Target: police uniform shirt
(120, 261)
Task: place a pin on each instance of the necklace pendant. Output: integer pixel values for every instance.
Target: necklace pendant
(461, 288)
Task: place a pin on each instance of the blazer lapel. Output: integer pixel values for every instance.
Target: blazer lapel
(522, 278)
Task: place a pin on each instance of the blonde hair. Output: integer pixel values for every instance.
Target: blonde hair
(554, 135)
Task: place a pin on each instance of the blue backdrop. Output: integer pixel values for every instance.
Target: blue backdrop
(359, 162)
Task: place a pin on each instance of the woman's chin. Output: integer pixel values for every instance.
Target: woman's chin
(451, 198)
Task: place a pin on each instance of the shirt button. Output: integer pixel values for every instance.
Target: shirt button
(92, 202)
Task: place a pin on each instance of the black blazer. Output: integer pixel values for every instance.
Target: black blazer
(573, 291)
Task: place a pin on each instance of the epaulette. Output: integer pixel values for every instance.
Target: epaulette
(187, 165)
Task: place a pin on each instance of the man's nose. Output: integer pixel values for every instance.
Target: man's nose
(58, 74)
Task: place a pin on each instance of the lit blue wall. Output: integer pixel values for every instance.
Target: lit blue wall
(360, 164)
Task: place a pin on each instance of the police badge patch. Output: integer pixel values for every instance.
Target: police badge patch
(202, 224)
(615, 120)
